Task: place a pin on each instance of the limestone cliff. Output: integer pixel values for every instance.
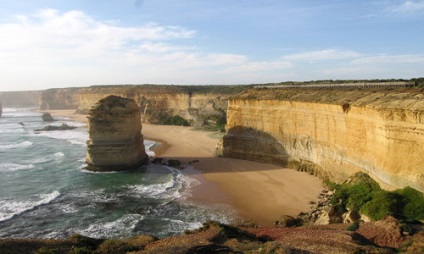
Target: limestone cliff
(333, 132)
(20, 98)
(115, 140)
(59, 98)
(197, 104)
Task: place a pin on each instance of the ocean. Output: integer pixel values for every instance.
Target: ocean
(45, 191)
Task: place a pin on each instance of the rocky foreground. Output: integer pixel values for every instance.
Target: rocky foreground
(385, 236)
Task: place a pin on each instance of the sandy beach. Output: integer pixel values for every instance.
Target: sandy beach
(260, 192)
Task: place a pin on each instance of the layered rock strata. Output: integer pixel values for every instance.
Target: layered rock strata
(115, 140)
(332, 133)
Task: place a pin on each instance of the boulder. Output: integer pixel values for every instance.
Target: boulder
(47, 117)
(115, 140)
(286, 221)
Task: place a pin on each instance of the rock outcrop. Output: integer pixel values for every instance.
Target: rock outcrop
(333, 133)
(63, 127)
(115, 136)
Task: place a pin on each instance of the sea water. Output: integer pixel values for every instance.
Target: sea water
(45, 191)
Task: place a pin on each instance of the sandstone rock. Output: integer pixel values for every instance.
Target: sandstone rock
(115, 136)
(351, 216)
(323, 219)
(385, 233)
(286, 221)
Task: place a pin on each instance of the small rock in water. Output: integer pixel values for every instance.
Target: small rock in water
(47, 117)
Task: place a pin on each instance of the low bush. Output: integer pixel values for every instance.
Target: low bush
(175, 120)
(362, 194)
(413, 203)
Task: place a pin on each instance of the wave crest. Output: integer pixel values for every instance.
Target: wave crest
(9, 209)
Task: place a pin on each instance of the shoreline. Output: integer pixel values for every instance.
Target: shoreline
(260, 193)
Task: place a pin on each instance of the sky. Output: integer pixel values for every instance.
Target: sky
(61, 43)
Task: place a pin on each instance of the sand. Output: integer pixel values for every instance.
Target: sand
(259, 192)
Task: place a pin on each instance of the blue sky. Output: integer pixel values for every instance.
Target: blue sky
(62, 43)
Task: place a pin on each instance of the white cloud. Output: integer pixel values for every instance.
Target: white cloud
(407, 7)
(390, 59)
(52, 48)
(322, 55)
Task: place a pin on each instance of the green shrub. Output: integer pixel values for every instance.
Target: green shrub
(358, 195)
(175, 120)
(383, 203)
(363, 194)
(413, 203)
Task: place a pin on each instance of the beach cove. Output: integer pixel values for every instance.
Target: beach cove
(259, 192)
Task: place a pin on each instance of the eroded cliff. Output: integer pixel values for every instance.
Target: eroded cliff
(20, 98)
(59, 98)
(332, 132)
(115, 141)
(197, 104)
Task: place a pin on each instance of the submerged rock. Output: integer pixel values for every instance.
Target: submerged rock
(115, 141)
(62, 127)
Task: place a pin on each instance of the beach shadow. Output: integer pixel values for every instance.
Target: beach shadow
(244, 149)
(254, 145)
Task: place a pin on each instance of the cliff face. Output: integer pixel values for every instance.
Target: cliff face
(197, 104)
(159, 102)
(20, 98)
(334, 133)
(115, 136)
(59, 98)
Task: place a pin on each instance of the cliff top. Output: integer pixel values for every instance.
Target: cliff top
(111, 103)
(411, 98)
(160, 89)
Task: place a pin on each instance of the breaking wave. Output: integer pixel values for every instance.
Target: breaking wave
(10, 208)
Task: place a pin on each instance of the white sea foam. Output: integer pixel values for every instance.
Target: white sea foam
(8, 146)
(10, 208)
(74, 137)
(177, 226)
(116, 228)
(148, 144)
(14, 167)
(178, 187)
(53, 157)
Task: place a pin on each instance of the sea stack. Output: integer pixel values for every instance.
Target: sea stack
(115, 141)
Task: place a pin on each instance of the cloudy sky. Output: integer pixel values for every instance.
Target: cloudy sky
(63, 43)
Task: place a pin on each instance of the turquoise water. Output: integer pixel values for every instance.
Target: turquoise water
(45, 192)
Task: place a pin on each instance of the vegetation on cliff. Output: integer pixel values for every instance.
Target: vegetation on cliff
(362, 194)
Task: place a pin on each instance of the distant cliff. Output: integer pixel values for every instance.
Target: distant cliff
(20, 98)
(332, 132)
(59, 98)
(197, 104)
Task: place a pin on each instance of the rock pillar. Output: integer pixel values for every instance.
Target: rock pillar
(115, 141)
